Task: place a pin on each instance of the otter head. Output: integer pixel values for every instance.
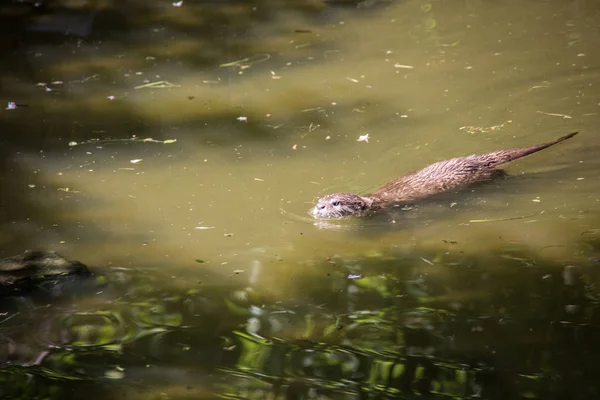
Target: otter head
(339, 205)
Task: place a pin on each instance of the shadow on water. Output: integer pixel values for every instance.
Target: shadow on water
(55, 38)
(393, 311)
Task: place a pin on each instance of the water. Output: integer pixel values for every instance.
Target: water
(258, 113)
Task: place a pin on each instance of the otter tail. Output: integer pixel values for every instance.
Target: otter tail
(503, 156)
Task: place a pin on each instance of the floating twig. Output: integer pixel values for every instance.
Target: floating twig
(157, 85)
(564, 116)
(247, 62)
(133, 139)
(502, 219)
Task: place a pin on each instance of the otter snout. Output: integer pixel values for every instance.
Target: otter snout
(319, 210)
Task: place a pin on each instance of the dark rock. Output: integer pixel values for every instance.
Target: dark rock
(26, 272)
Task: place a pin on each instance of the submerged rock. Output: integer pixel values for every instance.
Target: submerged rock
(34, 268)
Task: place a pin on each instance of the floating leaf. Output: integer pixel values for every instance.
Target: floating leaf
(114, 374)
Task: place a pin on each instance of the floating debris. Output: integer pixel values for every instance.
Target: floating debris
(68, 190)
(427, 261)
(247, 62)
(537, 87)
(483, 129)
(114, 374)
(403, 66)
(363, 138)
(501, 219)
(138, 160)
(133, 139)
(564, 116)
(242, 119)
(11, 105)
(313, 109)
(87, 78)
(157, 85)
(177, 3)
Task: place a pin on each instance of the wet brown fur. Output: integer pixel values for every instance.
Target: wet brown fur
(437, 178)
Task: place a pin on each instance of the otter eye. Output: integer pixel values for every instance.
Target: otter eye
(335, 203)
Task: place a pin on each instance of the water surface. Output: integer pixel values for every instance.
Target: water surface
(254, 111)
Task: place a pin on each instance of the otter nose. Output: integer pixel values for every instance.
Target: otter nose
(320, 206)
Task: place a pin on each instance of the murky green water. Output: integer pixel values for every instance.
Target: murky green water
(214, 279)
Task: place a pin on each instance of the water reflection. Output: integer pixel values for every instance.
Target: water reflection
(215, 209)
(399, 322)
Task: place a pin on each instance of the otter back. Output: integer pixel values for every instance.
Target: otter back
(453, 174)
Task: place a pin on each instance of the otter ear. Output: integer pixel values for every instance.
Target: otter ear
(368, 202)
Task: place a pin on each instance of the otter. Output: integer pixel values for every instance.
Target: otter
(437, 178)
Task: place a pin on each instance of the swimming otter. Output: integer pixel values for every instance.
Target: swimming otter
(436, 178)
